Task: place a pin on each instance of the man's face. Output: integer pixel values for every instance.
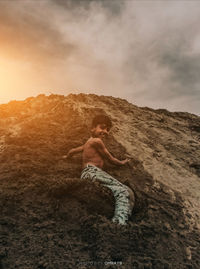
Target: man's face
(100, 131)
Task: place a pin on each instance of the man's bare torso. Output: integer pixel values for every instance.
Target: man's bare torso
(91, 154)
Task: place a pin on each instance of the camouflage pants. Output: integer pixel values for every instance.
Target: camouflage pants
(124, 197)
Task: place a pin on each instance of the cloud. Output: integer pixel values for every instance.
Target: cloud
(113, 7)
(25, 31)
(145, 51)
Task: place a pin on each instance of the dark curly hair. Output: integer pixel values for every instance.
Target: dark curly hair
(101, 119)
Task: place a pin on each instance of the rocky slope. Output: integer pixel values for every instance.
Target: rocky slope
(52, 219)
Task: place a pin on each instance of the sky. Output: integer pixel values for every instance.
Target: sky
(147, 52)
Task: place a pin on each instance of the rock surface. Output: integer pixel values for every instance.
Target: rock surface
(52, 219)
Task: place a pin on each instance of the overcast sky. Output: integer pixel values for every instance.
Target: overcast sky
(147, 52)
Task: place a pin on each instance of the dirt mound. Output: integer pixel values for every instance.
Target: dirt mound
(52, 219)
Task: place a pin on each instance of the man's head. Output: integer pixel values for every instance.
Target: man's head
(101, 125)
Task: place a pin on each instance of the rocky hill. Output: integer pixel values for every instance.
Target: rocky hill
(52, 219)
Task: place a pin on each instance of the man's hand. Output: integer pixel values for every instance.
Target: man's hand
(66, 156)
(123, 162)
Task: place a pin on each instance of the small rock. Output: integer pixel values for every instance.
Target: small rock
(188, 253)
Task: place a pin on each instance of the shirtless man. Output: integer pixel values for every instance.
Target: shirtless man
(94, 154)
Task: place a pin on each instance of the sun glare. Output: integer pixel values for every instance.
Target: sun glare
(14, 76)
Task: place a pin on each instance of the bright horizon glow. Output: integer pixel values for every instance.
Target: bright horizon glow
(12, 79)
(20, 80)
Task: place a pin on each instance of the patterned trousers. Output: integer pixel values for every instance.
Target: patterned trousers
(124, 196)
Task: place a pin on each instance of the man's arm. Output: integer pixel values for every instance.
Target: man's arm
(73, 151)
(99, 145)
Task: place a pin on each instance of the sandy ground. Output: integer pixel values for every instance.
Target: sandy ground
(52, 219)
